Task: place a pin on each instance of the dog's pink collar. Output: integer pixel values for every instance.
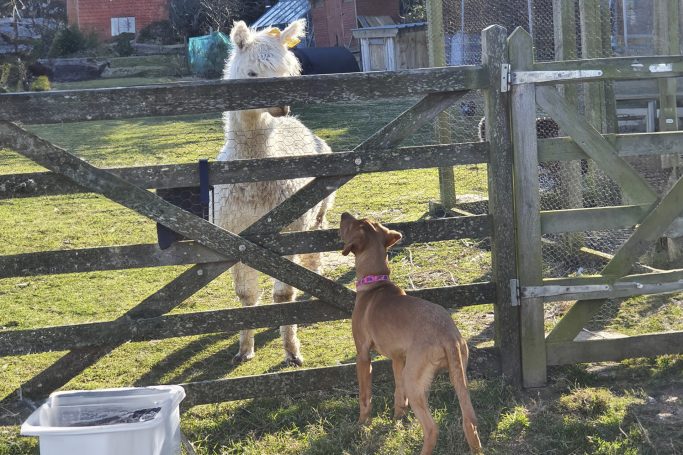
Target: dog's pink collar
(370, 279)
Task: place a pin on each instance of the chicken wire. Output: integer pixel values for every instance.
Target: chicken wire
(604, 28)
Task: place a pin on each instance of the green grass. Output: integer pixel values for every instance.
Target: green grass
(583, 410)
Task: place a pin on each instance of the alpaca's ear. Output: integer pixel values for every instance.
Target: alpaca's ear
(291, 36)
(240, 35)
(391, 237)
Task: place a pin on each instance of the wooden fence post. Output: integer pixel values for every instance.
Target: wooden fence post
(504, 264)
(437, 57)
(528, 211)
(564, 20)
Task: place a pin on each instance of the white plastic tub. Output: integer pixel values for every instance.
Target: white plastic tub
(131, 421)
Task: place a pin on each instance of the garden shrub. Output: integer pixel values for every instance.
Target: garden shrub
(160, 32)
(71, 40)
(122, 44)
(41, 84)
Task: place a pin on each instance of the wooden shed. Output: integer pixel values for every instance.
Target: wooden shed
(393, 47)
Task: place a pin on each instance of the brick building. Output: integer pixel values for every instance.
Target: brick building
(333, 20)
(109, 18)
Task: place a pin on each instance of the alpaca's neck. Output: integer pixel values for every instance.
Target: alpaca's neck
(248, 132)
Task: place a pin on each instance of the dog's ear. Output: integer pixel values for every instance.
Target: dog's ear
(291, 36)
(391, 237)
(240, 35)
(348, 248)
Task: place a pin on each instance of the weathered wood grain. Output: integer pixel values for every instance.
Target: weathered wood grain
(616, 68)
(216, 96)
(284, 168)
(131, 327)
(615, 349)
(185, 223)
(595, 146)
(632, 144)
(288, 383)
(182, 253)
(649, 230)
(528, 211)
(501, 202)
(592, 219)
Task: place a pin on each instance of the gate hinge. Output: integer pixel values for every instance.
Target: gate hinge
(515, 294)
(505, 77)
(531, 77)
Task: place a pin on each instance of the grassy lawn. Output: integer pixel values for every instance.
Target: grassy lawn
(628, 407)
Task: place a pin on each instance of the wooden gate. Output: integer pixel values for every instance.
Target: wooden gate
(532, 86)
(213, 250)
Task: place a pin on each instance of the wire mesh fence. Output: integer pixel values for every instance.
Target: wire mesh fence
(564, 30)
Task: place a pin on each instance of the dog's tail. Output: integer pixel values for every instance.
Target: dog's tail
(456, 353)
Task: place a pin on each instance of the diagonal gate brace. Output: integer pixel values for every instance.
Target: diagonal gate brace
(185, 223)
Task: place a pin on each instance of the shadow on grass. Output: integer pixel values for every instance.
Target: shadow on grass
(215, 366)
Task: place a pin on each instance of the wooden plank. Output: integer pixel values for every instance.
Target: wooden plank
(302, 381)
(618, 68)
(164, 300)
(501, 202)
(111, 333)
(183, 253)
(582, 312)
(591, 47)
(666, 31)
(652, 227)
(237, 171)
(615, 349)
(389, 136)
(631, 144)
(185, 223)
(592, 219)
(594, 145)
(228, 95)
(527, 208)
(643, 278)
(436, 47)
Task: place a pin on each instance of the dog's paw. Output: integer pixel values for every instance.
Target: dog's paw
(239, 358)
(292, 360)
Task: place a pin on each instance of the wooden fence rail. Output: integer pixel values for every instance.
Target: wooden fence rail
(203, 97)
(238, 171)
(77, 336)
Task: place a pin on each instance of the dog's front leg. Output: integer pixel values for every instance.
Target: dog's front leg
(364, 373)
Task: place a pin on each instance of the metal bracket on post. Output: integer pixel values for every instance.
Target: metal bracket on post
(535, 77)
(515, 294)
(505, 77)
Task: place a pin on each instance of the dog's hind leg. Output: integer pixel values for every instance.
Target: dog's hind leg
(456, 354)
(400, 399)
(364, 374)
(246, 288)
(290, 342)
(417, 377)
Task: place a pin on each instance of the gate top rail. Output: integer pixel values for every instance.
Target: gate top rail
(227, 95)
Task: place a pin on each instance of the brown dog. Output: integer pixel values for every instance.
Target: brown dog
(419, 336)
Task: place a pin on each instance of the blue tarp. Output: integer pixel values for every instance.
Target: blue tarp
(207, 54)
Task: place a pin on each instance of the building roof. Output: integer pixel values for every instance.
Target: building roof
(282, 13)
(394, 26)
(374, 21)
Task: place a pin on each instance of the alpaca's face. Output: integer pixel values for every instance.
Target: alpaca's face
(264, 53)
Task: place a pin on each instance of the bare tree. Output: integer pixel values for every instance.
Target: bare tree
(220, 14)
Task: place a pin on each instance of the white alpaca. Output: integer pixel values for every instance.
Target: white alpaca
(261, 133)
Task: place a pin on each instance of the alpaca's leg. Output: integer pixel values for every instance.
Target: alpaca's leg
(246, 288)
(290, 342)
